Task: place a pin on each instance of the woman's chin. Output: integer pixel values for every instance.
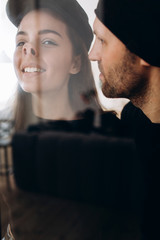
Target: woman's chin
(30, 89)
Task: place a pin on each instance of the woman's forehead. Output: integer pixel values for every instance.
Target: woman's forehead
(42, 19)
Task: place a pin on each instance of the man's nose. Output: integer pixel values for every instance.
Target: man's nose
(94, 54)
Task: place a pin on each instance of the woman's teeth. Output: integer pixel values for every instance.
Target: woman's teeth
(32, 69)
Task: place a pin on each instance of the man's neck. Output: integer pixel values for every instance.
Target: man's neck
(150, 102)
(153, 113)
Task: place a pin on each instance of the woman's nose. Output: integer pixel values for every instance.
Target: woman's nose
(33, 52)
(29, 50)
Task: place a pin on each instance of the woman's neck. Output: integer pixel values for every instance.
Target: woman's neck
(52, 106)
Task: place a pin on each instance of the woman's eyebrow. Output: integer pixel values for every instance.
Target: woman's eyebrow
(44, 31)
(41, 32)
(21, 33)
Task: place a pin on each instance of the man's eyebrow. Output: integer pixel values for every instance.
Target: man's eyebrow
(41, 32)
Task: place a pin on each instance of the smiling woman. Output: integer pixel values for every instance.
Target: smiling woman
(7, 45)
(43, 58)
(51, 61)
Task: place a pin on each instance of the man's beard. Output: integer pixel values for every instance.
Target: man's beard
(125, 80)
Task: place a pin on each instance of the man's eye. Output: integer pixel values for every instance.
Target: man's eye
(101, 40)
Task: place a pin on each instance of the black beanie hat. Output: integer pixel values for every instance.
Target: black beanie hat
(136, 23)
(72, 13)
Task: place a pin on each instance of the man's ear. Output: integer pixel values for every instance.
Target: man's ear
(76, 66)
(144, 63)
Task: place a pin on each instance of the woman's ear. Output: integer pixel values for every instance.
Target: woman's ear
(144, 63)
(76, 66)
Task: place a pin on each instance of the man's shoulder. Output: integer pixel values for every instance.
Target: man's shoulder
(133, 114)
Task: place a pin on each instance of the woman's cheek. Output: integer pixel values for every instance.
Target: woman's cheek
(16, 61)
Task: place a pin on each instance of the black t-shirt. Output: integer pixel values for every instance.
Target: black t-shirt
(147, 139)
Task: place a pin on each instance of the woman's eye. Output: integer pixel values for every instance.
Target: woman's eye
(49, 42)
(20, 44)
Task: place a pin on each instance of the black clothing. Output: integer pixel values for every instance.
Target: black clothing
(109, 124)
(74, 159)
(84, 124)
(80, 125)
(147, 139)
(84, 167)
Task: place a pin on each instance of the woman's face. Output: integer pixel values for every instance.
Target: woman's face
(43, 57)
